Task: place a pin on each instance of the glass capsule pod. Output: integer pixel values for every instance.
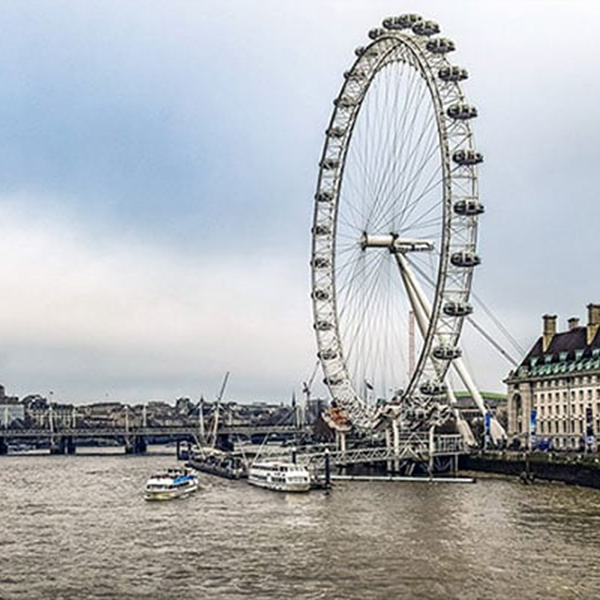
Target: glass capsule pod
(457, 309)
(440, 46)
(320, 262)
(323, 325)
(467, 157)
(426, 28)
(453, 74)
(444, 352)
(465, 258)
(401, 22)
(323, 196)
(329, 163)
(432, 388)
(468, 207)
(461, 111)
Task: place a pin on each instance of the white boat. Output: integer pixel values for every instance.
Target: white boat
(169, 484)
(279, 476)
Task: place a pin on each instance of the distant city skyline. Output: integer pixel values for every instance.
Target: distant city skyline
(158, 165)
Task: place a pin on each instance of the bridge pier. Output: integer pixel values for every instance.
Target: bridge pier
(224, 442)
(396, 440)
(135, 444)
(183, 449)
(57, 445)
(70, 446)
(3, 447)
(340, 441)
(388, 445)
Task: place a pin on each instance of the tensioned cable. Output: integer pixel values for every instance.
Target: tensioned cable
(475, 324)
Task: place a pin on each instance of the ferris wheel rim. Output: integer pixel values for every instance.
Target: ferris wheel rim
(384, 44)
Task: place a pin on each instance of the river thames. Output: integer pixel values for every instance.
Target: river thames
(79, 528)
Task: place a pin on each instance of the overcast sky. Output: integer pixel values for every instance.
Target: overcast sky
(158, 162)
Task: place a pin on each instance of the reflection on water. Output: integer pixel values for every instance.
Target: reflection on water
(78, 527)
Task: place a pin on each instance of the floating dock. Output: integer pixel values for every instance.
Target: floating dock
(402, 478)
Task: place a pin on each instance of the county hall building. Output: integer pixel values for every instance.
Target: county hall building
(554, 394)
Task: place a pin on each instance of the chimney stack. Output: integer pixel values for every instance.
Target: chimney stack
(593, 321)
(573, 323)
(549, 331)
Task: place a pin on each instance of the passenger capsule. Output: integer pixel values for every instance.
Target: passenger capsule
(369, 51)
(323, 196)
(426, 28)
(333, 381)
(327, 355)
(323, 325)
(320, 294)
(336, 132)
(320, 262)
(467, 157)
(465, 258)
(446, 352)
(344, 102)
(432, 388)
(440, 46)
(453, 74)
(355, 75)
(329, 163)
(461, 111)
(376, 33)
(468, 207)
(321, 230)
(457, 309)
(401, 22)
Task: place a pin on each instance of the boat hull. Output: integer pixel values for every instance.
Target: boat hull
(279, 476)
(176, 483)
(280, 487)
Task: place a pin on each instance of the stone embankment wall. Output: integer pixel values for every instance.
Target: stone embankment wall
(575, 470)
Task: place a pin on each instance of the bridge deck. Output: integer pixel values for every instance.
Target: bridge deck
(89, 432)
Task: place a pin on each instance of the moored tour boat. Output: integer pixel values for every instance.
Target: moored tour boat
(169, 484)
(279, 476)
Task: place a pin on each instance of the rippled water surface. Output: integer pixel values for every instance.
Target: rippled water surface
(78, 527)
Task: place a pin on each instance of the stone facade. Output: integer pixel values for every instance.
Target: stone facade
(559, 379)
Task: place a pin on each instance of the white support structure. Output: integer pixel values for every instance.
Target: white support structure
(396, 440)
(388, 445)
(422, 310)
(201, 421)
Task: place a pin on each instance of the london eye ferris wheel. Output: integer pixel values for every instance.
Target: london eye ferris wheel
(395, 224)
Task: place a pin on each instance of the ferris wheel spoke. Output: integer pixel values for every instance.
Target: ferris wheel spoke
(436, 201)
(362, 316)
(422, 227)
(403, 185)
(400, 214)
(390, 169)
(353, 271)
(416, 167)
(415, 146)
(412, 145)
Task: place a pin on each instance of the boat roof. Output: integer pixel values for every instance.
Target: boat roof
(271, 464)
